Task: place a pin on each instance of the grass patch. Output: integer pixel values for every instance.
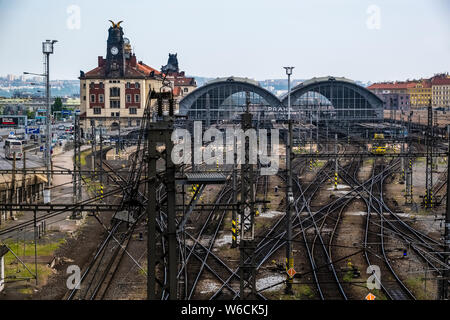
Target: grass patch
(320, 163)
(416, 285)
(348, 277)
(15, 270)
(83, 156)
(92, 186)
(301, 292)
(26, 291)
(43, 249)
(420, 160)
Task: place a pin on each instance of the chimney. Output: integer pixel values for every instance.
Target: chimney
(133, 60)
(101, 61)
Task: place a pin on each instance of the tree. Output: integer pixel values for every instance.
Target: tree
(30, 114)
(57, 105)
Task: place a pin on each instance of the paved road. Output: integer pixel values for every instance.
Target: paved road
(33, 160)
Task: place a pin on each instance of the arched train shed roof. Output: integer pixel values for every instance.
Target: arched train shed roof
(315, 83)
(235, 84)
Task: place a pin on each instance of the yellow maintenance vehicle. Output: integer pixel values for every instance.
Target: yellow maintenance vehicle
(378, 145)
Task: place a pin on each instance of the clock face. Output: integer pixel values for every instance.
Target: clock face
(114, 50)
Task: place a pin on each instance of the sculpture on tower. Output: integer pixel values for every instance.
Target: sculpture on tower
(172, 64)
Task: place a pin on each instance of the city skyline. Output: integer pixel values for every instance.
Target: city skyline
(369, 41)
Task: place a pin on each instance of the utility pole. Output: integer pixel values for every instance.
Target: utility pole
(317, 129)
(310, 138)
(409, 172)
(445, 284)
(93, 148)
(234, 224)
(35, 246)
(336, 164)
(402, 162)
(12, 193)
(24, 179)
(289, 194)
(47, 49)
(120, 140)
(428, 199)
(101, 163)
(161, 132)
(77, 196)
(247, 267)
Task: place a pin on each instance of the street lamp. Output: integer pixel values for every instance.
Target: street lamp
(47, 50)
(289, 73)
(289, 194)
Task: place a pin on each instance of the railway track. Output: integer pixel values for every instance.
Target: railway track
(374, 243)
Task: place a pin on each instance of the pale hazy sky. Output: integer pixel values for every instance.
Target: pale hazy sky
(252, 38)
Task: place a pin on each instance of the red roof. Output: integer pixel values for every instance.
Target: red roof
(399, 85)
(388, 86)
(145, 68)
(440, 81)
(132, 69)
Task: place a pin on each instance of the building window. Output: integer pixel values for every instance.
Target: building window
(84, 98)
(138, 123)
(114, 104)
(128, 98)
(186, 89)
(136, 85)
(91, 85)
(84, 85)
(92, 98)
(100, 98)
(114, 92)
(97, 110)
(136, 98)
(128, 85)
(112, 114)
(133, 110)
(102, 86)
(117, 114)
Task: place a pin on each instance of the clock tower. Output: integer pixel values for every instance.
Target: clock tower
(115, 55)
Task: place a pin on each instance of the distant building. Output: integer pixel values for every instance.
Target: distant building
(419, 93)
(10, 77)
(182, 85)
(394, 94)
(115, 92)
(440, 87)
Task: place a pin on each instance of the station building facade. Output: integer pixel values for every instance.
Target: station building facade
(440, 87)
(115, 93)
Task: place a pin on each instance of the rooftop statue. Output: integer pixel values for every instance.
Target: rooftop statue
(115, 25)
(172, 64)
